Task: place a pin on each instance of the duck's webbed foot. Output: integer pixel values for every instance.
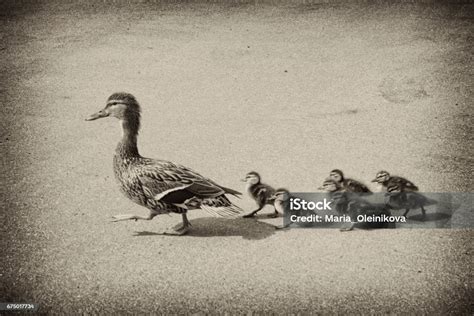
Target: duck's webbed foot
(348, 228)
(177, 230)
(126, 217)
(180, 229)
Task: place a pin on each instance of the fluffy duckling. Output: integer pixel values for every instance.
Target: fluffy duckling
(338, 194)
(398, 199)
(281, 199)
(351, 204)
(258, 191)
(159, 185)
(385, 179)
(350, 185)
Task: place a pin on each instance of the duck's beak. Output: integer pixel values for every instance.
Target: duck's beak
(375, 180)
(321, 188)
(243, 180)
(273, 197)
(97, 115)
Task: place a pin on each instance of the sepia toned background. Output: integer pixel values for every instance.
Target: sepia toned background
(289, 89)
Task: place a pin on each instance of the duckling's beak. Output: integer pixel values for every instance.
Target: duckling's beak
(243, 180)
(273, 197)
(321, 188)
(375, 180)
(97, 115)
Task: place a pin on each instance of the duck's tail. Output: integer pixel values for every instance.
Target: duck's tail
(221, 207)
(230, 191)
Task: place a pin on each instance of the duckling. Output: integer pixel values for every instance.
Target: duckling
(385, 179)
(338, 194)
(350, 185)
(159, 185)
(398, 199)
(352, 204)
(258, 191)
(281, 199)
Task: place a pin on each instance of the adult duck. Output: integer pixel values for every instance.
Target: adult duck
(161, 186)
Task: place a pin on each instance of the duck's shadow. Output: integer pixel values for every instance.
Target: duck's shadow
(218, 227)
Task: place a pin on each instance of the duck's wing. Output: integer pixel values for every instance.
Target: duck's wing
(352, 185)
(179, 185)
(406, 185)
(265, 192)
(161, 183)
(208, 181)
(261, 192)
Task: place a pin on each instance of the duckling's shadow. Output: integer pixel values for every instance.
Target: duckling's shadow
(429, 217)
(220, 227)
(439, 215)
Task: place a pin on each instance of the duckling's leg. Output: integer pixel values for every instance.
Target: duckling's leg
(406, 212)
(423, 211)
(179, 229)
(126, 217)
(253, 213)
(274, 214)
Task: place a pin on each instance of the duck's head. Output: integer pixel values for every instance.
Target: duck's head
(336, 175)
(252, 178)
(330, 185)
(280, 195)
(381, 176)
(121, 105)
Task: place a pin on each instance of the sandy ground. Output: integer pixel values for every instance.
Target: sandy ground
(291, 91)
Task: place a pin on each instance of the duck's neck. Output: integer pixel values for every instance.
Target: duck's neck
(127, 147)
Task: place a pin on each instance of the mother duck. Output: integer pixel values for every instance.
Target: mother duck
(159, 185)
